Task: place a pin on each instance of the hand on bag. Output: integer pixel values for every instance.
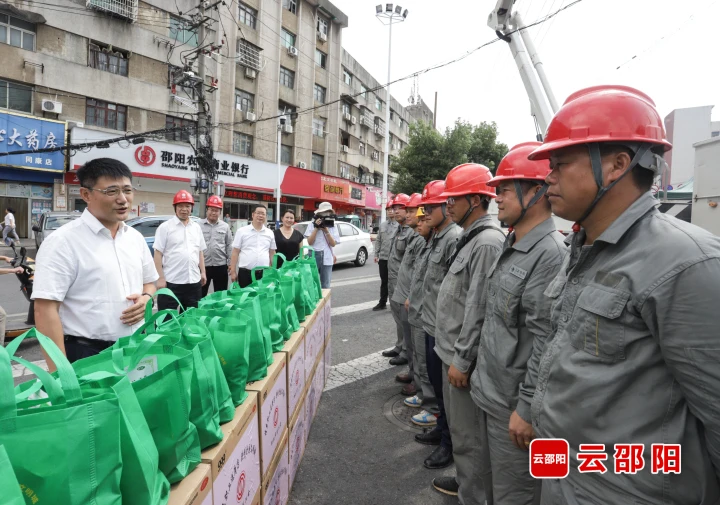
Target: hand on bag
(457, 378)
(161, 283)
(135, 314)
(521, 432)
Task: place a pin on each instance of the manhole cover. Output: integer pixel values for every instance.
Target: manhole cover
(400, 415)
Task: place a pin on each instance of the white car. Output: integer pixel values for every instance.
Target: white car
(354, 245)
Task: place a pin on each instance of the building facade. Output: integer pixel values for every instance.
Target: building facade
(685, 127)
(103, 68)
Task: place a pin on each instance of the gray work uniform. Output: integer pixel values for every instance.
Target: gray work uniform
(633, 359)
(414, 246)
(517, 320)
(219, 240)
(415, 296)
(397, 252)
(383, 241)
(441, 246)
(462, 304)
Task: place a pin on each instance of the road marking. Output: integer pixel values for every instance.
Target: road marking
(333, 283)
(20, 370)
(350, 282)
(357, 369)
(348, 309)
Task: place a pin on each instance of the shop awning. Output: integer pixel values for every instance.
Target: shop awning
(301, 182)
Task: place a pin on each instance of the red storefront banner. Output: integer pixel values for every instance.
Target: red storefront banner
(334, 190)
(357, 194)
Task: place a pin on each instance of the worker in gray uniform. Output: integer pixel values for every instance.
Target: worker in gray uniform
(461, 302)
(442, 244)
(414, 245)
(383, 241)
(632, 365)
(397, 252)
(517, 321)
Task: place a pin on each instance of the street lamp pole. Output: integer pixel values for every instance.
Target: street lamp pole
(389, 16)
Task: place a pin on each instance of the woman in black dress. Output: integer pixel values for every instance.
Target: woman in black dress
(287, 238)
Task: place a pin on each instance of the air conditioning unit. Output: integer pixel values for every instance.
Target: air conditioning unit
(51, 106)
(353, 120)
(250, 73)
(347, 116)
(302, 164)
(250, 116)
(292, 51)
(322, 36)
(286, 128)
(345, 149)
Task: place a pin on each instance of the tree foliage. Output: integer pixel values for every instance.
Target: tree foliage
(430, 155)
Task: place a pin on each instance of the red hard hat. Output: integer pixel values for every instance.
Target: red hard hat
(215, 201)
(468, 179)
(431, 193)
(415, 201)
(389, 204)
(401, 200)
(516, 165)
(183, 196)
(609, 113)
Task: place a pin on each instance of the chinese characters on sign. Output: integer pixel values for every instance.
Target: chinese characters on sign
(180, 161)
(549, 458)
(21, 133)
(259, 197)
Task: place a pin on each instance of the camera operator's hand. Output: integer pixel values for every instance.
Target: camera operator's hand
(318, 222)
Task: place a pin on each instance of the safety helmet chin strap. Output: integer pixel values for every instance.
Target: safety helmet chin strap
(643, 157)
(521, 199)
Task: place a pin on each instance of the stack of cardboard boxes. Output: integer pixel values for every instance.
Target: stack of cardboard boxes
(259, 456)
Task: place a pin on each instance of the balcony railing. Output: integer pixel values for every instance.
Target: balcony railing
(127, 9)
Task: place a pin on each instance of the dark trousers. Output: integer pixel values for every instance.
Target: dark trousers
(188, 294)
(244, 278)
(77, 348)
(218, 276)
(435, 373)
(383, 281)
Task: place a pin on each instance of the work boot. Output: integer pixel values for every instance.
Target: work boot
(404, 378)
(431, 437)
(408, 390)
(398, 360)
(390, 353)
(379, 306)
(440, 458)
(446, 485)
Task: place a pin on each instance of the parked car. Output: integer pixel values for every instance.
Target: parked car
(354, 245)
(148, 225)
(51, 221)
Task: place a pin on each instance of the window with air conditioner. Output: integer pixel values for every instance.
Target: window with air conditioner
(244, 101)
(180, 31)
(248, 55)
(288, 39)
(287, 77)
(247, 15)
(286, 155)
(345, 108)
(242, 144)
(286, 109)
(105, 114)
(189, 128)
(319, 93)
(320, 58)
(290, 5)
(317, 162)
(318, 127)
(15, 96)
(103, 57)
(17, 32)
(322, 26)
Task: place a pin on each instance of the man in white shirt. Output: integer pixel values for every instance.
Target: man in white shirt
(94, 276)
(179, 255)
(254, 246)
(10, 227)
(323, 238)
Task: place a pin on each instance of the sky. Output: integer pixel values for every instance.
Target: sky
(665, 48)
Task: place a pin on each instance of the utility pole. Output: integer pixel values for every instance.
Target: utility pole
(435, 113)
(279, 172)
(202, 138)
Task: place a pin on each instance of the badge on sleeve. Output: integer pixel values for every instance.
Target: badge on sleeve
(518, 272)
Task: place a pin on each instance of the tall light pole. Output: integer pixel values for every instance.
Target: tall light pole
(388, 16)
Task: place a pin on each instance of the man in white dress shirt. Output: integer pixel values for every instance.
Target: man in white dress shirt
(94, 276)
(179, 255)
(254, 246)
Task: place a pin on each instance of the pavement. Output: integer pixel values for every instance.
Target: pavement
(361, 449)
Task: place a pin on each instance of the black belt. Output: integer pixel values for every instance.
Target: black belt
(89, 342)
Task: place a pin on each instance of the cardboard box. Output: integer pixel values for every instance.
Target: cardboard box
(235, 462)
(318, 384)
(295, 350)
(297, 439)
(327, 309)
(309, 320)
(273, 405)
(195, 489)
(327, 358)
(311, 351)
(276, 486)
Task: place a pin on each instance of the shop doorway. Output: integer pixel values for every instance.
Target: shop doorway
(20, 206)
(79, 205)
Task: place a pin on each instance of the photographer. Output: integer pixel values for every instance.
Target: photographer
(323, 242)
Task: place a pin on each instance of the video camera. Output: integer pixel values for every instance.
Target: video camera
(328, 221)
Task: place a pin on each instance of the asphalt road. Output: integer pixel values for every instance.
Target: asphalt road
(361, 449)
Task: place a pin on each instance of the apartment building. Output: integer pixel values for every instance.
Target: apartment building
(95, 69)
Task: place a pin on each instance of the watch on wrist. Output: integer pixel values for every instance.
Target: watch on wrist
(152, 298)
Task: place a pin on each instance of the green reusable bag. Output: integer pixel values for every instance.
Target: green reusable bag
(65, 448)
(314, 273)
(11, 493)
(302, 298)
(161, 376)
(255, 304)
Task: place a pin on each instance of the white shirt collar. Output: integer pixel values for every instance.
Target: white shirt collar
(95, 225)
